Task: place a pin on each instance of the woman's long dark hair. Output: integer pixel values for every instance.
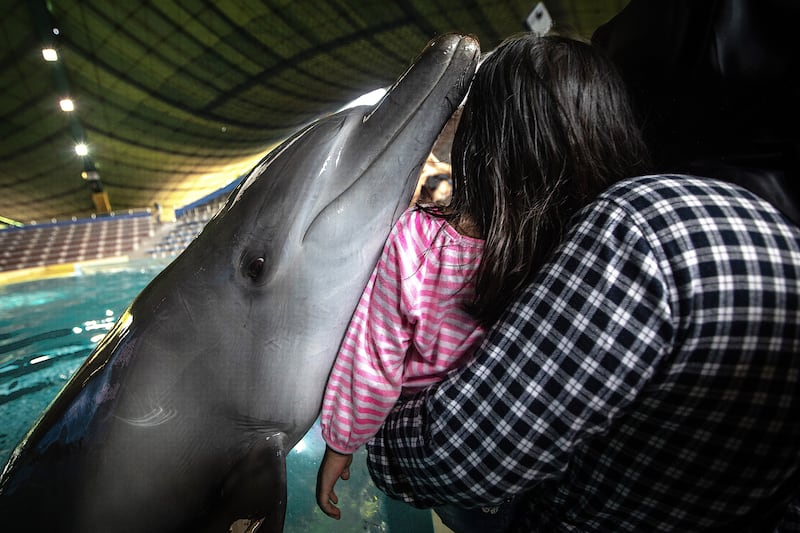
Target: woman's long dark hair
(546, 127)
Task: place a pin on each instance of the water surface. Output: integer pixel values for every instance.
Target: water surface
(48, 327)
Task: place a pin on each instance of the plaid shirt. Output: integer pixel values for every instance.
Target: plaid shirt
(648, 379)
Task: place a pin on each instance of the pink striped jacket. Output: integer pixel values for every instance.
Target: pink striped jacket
(409, 329)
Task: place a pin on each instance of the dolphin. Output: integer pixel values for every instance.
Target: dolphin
(181, 418)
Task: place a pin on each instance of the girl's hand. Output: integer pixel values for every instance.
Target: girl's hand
(334, 465)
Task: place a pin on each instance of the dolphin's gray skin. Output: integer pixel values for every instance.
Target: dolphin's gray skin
(181, 418)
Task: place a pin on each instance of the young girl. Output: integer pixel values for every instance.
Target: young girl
(411, 326)
(545, 128)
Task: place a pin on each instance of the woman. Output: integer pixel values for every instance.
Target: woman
(642, 375)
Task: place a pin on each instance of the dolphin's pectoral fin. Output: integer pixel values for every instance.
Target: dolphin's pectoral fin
(255, 489)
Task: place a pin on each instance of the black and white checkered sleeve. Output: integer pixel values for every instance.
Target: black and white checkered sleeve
(572, 352)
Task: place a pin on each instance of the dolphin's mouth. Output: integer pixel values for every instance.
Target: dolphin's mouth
(451, 75)
(470, 46)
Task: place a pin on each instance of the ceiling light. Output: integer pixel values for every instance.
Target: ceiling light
(67, 105)
(81, 149)
(539, 20)
(49, 54)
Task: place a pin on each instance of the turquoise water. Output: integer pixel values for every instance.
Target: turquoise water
(47, 329)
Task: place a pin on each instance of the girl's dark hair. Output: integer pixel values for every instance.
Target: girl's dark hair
(546, 127)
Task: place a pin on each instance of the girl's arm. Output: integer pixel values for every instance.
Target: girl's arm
(367, 376)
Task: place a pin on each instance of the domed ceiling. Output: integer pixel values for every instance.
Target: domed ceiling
(175, 99)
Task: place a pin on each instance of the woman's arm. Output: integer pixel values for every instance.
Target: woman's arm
(568, 356)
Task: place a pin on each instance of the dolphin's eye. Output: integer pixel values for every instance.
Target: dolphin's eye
(255, 267)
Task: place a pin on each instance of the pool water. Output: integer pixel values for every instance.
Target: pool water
(48, 327)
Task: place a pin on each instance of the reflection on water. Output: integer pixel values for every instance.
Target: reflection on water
(47, 329)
